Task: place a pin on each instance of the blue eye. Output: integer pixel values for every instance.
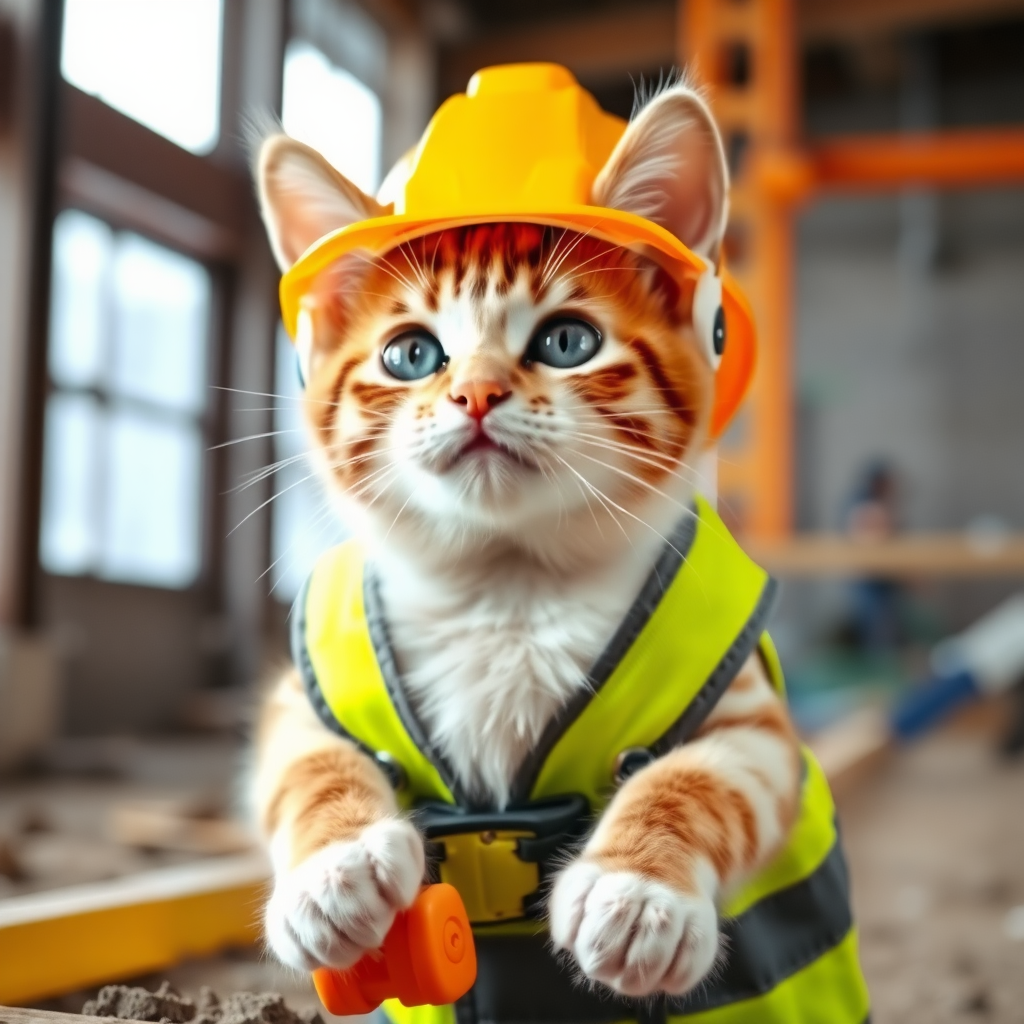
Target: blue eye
(564, 343)
(413, 355)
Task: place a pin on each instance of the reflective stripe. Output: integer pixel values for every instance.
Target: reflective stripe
(778, 937)
(809, 843)
(830, 990)
(704, 700)
(702, 612)
(343, 669)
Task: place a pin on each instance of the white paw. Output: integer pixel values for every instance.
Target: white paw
(631, 933)
(341, 901)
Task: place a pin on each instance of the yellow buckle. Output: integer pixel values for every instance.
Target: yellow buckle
(490, 877)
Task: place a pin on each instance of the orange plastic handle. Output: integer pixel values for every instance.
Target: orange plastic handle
(428, 957)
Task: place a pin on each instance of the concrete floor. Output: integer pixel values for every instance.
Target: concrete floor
(936, 844)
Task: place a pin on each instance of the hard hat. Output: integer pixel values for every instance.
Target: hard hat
(525, 143)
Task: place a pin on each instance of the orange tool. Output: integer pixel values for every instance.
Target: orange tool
(427, 957)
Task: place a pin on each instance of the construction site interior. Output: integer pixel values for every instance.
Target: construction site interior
(877, 468)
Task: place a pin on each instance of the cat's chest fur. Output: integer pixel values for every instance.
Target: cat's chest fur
(488, 660)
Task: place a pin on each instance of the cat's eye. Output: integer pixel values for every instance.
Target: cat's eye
(413, 355)
(564, 343)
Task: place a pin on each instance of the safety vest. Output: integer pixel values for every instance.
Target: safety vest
(791, 947)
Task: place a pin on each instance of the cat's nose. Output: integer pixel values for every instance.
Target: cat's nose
(478, 397)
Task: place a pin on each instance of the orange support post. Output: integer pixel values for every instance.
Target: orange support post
(745, 55)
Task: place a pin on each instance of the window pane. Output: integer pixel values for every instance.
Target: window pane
(71, 483)
(332, 111)
(161, 311)
(304, 523)
(158, 61)
(82, 247)
(152, 525)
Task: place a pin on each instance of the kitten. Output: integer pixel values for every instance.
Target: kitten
(513, 501)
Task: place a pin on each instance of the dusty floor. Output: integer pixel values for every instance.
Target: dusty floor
(936, 844)
(55, 823)
(935, 838)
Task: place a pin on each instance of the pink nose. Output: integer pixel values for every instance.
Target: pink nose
(478, 396)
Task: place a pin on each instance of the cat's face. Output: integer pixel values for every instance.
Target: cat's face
(505, 377)
(510, 380)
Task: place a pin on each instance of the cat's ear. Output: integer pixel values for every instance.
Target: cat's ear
(302, 197)
(670, 167)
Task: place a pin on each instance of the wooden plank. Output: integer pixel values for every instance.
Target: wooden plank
(66, 939)
(599, 45)
(915, 556)
(852, 748)
(23, 1015)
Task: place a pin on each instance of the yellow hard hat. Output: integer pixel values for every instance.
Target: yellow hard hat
(525, 143)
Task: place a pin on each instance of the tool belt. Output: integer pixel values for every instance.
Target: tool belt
(498, 860)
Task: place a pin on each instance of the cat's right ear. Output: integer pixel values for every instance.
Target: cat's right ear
(302, 197)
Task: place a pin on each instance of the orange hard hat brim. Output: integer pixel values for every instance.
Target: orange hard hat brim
(379, 235)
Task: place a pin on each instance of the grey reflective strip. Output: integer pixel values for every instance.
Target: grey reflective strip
(381, 640)
(725, 672)
(778, 936)
(520, 980)
(660, 579)
(300, 655)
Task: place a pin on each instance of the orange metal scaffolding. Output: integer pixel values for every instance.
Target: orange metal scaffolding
(745, 53)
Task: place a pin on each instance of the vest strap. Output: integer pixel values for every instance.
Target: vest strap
(725, 672)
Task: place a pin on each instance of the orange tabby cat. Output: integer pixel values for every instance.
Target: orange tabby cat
(509, 416)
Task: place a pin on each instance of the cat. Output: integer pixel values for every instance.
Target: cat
(509, 416)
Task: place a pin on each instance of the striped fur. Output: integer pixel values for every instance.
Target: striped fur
(509, 543)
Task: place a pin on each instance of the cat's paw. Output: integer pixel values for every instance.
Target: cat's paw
(340, 902)
(634, 934)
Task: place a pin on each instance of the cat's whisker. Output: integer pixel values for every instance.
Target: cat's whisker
(273, 497)
(605, 501)
(656, 459)
(319, 520)
(625, 511)
(254, 437)
(258, 475)
(632, 476)
(269, 394)
(550, 275)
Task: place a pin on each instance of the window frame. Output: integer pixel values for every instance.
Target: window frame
(206, 420)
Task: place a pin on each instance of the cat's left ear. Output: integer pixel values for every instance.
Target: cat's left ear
(670, 167)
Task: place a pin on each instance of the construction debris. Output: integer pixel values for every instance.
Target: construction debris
(167, 1006)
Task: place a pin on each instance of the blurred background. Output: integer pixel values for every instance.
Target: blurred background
(157, 514)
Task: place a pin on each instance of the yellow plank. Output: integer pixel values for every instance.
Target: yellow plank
(67, 939)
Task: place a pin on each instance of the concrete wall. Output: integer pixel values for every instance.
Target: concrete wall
(922, 367)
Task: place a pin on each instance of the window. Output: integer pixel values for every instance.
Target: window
(158, 61)
(335, 113)
(124, 440)
(304, 522)
(332, 111)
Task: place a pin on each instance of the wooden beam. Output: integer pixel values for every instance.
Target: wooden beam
(594, 46)
(66, 939)
(920, 556)
(823, 20)
(23, 1015)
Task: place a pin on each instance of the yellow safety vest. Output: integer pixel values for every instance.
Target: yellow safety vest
(790, 941)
